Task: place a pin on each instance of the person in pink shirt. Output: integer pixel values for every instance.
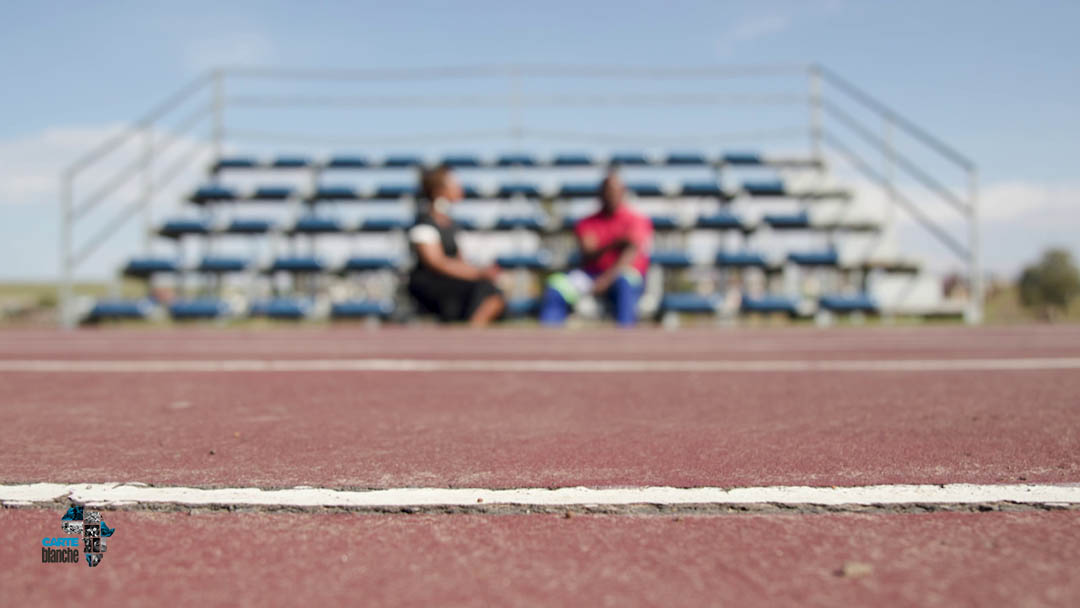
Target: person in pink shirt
(615, 244)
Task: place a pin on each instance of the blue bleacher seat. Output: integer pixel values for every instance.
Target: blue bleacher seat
(180, 227)
(814, 258)
(466, 223)
(327, 193)
(273, 193)
(315, 224)
(348, 162)
(742, 158)
(519, 223)
(518, 189)
(458, 161)
(516, 160)
(664, 222)
(686, 159)
(636, 159)
(281, 308)
(470, 191)
(355, 309)
(645, 189)
(572, 159)
(709, 188)
(773, 187)
(385, 224)
(769, 304)
(213, 192)
(202, 308)
(400, 161)
(120, 309)
(219, 264)
(585, 190)
(688, 302)
(249, 226)
(536, 261)
(671, 259)
(145, 267)
(394, 191)
(297, 264)
(521, 307)
(720, 220)
(363, 263)
(848, 303)
(236, 162)
(290, 162)
(740, 259)
(787, 221)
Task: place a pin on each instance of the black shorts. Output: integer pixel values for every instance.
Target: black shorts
(449, 298)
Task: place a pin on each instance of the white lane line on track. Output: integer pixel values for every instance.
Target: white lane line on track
(537, 365)
(114, 494)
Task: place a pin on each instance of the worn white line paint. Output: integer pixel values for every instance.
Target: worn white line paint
(536, 365)
(114, 494)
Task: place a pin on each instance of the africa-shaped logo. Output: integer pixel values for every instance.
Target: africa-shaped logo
(93, 531)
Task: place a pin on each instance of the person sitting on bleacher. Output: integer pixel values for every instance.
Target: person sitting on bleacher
(615, 243)
(442, 282)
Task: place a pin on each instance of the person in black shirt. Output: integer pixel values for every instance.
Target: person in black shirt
(442, 282)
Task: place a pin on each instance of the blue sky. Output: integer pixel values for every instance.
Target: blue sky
(999, 81)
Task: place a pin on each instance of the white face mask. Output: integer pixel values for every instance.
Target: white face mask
(441, 205)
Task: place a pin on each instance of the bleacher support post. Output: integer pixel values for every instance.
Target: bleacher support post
(974, 314)
(147, 188)
(814, 74)
(64, 296)
(218, 111)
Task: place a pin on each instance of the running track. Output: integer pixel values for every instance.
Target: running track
(941, 406)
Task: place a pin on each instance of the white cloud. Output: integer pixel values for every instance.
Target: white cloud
(30, 170)
(30, 166)
(231, 49)
(1018, 219)
(758, 27)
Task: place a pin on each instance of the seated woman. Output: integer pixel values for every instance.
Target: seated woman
(615, 243)
(442, 282)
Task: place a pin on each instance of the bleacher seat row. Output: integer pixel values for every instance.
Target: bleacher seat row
(216, 193)
(297, 308)
(475, 161)
(538, 260)
(314, 224)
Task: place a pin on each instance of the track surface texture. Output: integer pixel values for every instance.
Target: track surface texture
(533, 428)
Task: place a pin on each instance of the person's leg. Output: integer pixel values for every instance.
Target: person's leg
(553, 307)
(482, 304)
(624, 294)
(560, 294)
(489, 309)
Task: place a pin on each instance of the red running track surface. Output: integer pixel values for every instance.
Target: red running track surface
(365, 429)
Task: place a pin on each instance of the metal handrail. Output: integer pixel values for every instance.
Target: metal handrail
(947, 239)
(894, 116)
(969, 208)
(517, 70)
(71, 212)
(148, 119)
(911, 168)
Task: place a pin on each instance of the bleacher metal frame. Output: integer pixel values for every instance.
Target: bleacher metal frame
(827, 99)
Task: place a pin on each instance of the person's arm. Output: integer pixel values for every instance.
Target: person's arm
(432, 256)
(603, 282)
(429, 250)
(589, 249)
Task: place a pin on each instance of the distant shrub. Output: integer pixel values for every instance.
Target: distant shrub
(1048, 286)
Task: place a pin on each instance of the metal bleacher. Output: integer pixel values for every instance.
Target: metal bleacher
(320, 235)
